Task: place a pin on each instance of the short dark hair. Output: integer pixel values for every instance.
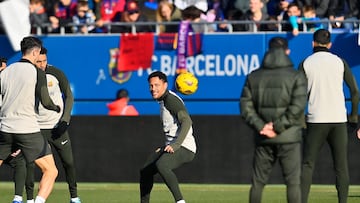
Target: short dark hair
(322, 36)
(158, 74)
(122, 93)
(191, 13)
(3, 60)
(28, 43)
(278, 42)
(43, 51)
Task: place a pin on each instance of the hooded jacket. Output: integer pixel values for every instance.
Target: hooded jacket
(275, 92)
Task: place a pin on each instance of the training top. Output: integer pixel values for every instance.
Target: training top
(60, 92)
(177, 124)
(22, 85)
(325, 73)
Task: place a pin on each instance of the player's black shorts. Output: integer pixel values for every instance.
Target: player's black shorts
(32, 145)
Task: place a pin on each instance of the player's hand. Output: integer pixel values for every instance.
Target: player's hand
(60, 129)
(169, 149)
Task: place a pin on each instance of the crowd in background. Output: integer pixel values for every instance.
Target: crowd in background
(115, 16)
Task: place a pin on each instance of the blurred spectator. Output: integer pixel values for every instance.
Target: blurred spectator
(321, 7)
(167, 12)
(199, 4)
(235, 15)
(38, 16)
(294, 12)
(110, 11)
(242, 5)
(310, 19)
(64, 10)
(120, 106)
(97, 8)
(131, 14)
(84, 20)
(255, 14)
(149, 8)
(92, 4)
(277, 9)
(215, 13)
(49, 7)
(341, 10)
(193, 14)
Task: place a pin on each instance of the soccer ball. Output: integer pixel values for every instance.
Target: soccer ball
(186, 83)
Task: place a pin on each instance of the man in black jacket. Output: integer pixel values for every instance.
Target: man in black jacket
(273, 102)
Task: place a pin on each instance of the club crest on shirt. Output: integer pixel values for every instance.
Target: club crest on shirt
(116, 75)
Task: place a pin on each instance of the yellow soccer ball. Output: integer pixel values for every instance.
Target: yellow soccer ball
(186, 83)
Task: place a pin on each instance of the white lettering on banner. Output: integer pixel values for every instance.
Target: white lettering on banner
(168, 65)
(210, 65)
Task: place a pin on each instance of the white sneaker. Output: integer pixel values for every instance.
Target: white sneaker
(181, 201)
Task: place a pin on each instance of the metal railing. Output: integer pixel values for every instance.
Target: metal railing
(277, 26)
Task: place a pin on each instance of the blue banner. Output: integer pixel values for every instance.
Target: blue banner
(221, 68)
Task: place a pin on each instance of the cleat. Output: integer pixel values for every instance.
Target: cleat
(77, 200)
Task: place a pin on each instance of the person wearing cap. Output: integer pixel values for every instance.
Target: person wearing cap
(133, 14)
(327, 116)
(272, 102)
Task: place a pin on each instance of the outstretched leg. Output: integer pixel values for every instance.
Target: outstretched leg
(169, 161)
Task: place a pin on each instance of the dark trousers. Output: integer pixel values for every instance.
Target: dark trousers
(289, 156)
(163, 163)
(335, 134)
(62, 145)
(19, 174)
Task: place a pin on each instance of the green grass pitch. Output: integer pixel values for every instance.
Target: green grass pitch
(193, 193)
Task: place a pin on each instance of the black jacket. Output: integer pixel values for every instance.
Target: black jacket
(277, 93)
